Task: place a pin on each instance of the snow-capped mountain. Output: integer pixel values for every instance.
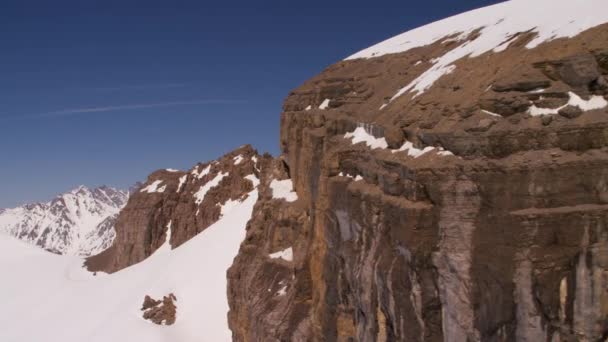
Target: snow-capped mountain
(80, 222)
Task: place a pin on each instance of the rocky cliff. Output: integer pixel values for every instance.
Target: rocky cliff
(178, 205)
(451, 186)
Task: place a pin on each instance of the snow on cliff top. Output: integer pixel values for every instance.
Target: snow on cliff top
(498, 24)
(550, 19)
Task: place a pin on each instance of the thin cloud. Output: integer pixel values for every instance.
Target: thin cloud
(105, 109)
(142, 86)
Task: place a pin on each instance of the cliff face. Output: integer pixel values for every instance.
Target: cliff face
(184, 203)
(438, 198)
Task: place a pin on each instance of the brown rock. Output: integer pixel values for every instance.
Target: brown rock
(160, 312)
(552, 102)
(496, 244)
(570, 112)
(394, 137)
(485, 124)
(579, 70)
(505, 105)
(522, 80)
(602, 60)
(149, 303)
(142, 225)
(600, 85)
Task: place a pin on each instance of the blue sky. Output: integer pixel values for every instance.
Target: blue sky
(104, 92)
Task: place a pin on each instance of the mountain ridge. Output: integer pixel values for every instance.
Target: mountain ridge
(78, 222)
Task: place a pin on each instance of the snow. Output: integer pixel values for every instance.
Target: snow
(497, 24)
(200, 194)
(182, 181)
(413, 151)
(79, 222)
(166, 246)
(361, 135)
(325, 104)
(201, 174)
(444, 153)
(171, 170)
(356, 178)
(308, 108)
(229, 206)
(154, 187)
(282, 291)
(253, 180)
(283, 189)
(490, 113)
(537, 91)
(286, 254)
(238, 159)
(51, 296)
(595, 102)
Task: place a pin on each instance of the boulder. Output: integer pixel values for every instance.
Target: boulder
(570, 112)
(160, 312)
(579, 71)
(394, 137)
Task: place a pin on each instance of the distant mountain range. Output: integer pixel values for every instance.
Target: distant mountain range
(79, 222)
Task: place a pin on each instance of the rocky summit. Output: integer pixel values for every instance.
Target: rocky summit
(447, 184)
(178, 205)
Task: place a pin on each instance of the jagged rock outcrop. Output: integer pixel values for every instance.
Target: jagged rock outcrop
(451, 186)
(161, 312)
(79, 222)
(178, 205)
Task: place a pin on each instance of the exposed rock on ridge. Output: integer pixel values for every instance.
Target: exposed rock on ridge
(184, 202)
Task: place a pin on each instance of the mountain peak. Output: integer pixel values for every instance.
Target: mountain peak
(78, 222)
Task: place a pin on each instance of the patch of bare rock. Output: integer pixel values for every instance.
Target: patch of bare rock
(161, 312)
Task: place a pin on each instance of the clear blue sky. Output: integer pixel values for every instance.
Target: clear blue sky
(104, 92)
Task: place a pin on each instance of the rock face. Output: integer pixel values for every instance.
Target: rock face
(161, 312)
(80, 222)
(452, 188)
(182, 203)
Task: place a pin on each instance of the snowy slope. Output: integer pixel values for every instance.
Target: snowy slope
(75, 306)
(499, 25)
(80, 222)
